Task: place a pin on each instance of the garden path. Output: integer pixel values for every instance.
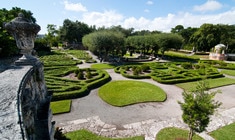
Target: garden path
(147, 119)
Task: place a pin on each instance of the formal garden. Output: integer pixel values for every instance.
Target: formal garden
(67, 81)
(180, 52)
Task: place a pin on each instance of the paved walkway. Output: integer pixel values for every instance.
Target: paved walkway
(146, 119)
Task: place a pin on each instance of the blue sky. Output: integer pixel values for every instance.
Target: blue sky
(161, 15)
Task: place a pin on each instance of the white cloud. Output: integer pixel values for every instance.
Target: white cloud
(210, 5)
(149, 2)
(110, 18)
(107, 18)
(146, 10)
(78, 7)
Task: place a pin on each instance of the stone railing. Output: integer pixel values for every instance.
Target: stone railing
(25, 104)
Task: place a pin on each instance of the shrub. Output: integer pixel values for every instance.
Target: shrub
(145, 68)
(196, 66)
(59, 134)
(186, 65)
(88, 74)
(137, 70)
(202, 66)
(76, 71)
(80, 75)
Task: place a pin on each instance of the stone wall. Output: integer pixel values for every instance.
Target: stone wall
(25, 104)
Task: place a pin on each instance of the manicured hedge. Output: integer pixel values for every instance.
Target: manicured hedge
(172, 72)
(58, 65)
(218, 64)
(69, 89)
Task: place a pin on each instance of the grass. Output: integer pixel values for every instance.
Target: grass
(181, 55)
(103, 66)
(213, 83)
(122, 93)
(87, 135)
(79, 54)
(228, 72)
(172, 133)
(224, 133)
(62, 106)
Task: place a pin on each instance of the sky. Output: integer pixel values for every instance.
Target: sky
(160, 15)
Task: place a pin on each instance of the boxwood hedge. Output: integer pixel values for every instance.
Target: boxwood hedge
(172, 72)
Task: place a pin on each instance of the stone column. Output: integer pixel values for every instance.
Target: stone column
(24, 32)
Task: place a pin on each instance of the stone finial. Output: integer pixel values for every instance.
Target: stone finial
(24, 32)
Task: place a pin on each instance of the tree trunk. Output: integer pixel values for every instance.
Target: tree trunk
(190, 134)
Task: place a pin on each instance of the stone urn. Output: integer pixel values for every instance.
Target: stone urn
(24, 32)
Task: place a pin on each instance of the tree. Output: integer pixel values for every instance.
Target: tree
(52, 35)
(209, 35)
(104, 42)
(142, 43)
(177, 29)
(73, 32)
(197, 107)
(167, 41)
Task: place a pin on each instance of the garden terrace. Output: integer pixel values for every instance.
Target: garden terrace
(169, 73)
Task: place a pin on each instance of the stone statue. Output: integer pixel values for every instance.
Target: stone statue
(24, 32)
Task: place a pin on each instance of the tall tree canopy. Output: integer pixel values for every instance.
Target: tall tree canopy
(209, 35)
(142, 43)
(104, 42)
(73, 32)
(167, 41)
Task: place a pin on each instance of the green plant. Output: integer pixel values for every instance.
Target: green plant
(145, 68)
(197, 107)
(88, 74)
(59, 134)
(136, 70)
(186, 65)
(80, 75)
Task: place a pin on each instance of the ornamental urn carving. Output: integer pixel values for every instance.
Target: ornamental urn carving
(24, 32)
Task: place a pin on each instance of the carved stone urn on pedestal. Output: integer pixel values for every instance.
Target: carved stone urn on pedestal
(24, 32)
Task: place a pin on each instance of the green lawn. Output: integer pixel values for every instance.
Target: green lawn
(224, 133)
(87, 135)
(103, 66)
(213, 83)
(228, 72)
(173, 133)
(62, 106)
(122, 93)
